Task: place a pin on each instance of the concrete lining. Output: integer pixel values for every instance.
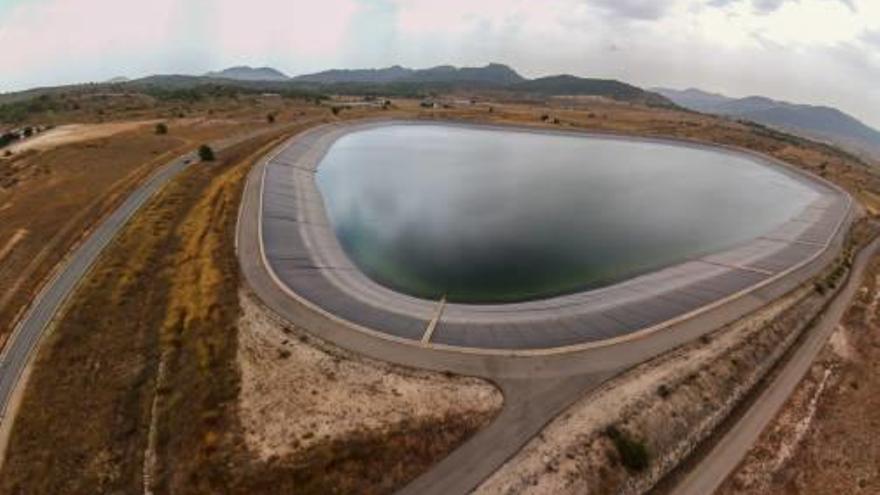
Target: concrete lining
(302, 253)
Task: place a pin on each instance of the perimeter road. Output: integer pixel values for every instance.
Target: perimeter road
(707, 475)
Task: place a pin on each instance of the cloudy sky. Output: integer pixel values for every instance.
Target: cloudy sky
(811, 51)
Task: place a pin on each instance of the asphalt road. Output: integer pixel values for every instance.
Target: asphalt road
(711, 471)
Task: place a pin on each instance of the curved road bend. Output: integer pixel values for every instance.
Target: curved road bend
(710, 472)
(535, 390)
(26, 334)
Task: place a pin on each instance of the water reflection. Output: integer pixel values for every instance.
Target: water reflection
(497, 216)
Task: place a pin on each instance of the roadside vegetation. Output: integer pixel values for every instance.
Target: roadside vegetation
(206, 153)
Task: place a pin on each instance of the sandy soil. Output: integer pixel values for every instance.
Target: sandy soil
(296, 392)
(73, 133)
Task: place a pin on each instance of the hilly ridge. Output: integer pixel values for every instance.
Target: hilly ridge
(246, 73)
(813, 121)
(491, 73)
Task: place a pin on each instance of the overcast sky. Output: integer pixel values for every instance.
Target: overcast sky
(810, 51)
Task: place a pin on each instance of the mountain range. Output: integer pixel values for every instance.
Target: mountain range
(819, 122)
(492, 76)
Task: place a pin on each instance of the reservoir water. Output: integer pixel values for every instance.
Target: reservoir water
(493, 216)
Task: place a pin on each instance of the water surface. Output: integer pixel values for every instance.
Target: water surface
(485, 215)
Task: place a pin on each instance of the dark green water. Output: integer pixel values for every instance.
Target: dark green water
(500, 216)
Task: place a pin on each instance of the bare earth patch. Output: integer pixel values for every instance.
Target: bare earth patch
(296, 393)
(72, 133)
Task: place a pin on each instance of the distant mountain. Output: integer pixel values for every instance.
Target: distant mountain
(245, 73)
(694, 99)
(609, 88)
(492, 76)
(119, 79)
(499, 74)
(346, 76)
(813, 121)
(496, 74)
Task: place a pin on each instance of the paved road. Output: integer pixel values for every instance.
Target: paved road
(26, 335)
(536, 389)
(711, 471)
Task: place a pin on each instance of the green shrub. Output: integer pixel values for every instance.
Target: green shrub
(206, 153)
(633, 453)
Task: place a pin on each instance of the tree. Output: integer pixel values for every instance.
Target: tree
(270, 118)
(161, 128)
(336, 110)
(206, 153)
(7, 138)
